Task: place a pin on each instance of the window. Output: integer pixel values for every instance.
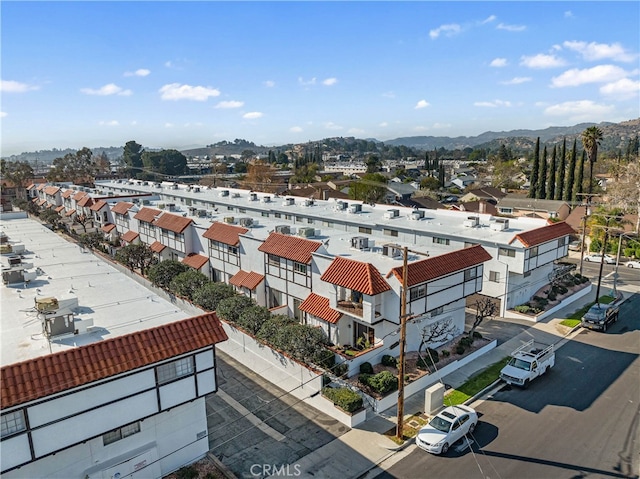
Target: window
(230, 208)
(310, 221)
(533, 252)
(265, 214)
(470, 273)
(505, 211)
(562, 241)
(297, 313)
(277, 215)
(121, 433)
(494, 276)
(275, 298)
(444, 241)
(436, 311)
(287, 217)
(13, 422)
(389, 232)
(328, 224)
(233, 250)
(273, 260)
(299, 219)
(363, 229)
(417, 292)
(300, 268)
(175, 369)
(242, 210)
(507, 252)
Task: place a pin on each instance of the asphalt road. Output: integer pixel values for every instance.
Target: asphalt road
(581, 420)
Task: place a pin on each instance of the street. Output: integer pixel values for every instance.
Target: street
(580, 420)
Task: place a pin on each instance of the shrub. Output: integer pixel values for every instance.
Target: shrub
(383, 382)
(550, 297)
(161, 274)
(187, 283)
(253, 317)
(445, 353)
(476, 335)
(187, 472)
(584, 279)
(231, 308)
(363, 378)
(460, 349)
(466, 341)
(366, 368)
(344, 398)
(211, 294)
(388, 360)
(562, 289)
(325, 359)
(270, 329)
(341, 369)
(522, 308)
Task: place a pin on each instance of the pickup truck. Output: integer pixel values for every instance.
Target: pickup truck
(600, 316)
(527, 363)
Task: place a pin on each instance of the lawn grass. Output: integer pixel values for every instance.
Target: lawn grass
(475, 384)
(575, 318)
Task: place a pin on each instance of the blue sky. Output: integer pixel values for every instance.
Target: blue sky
(182, 74)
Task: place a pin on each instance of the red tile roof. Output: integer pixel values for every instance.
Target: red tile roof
(319, 306)
(289, 247)
(249, 280)
(355, 275)
(79, 195)
(147, 215)
(85, 201)
(121, 207)
(41, 202)
(70, 213)
(98, 205)
(60, 208)
(108, 228)
(130, 236)
(174, 223)
(544, 234)
(157, 247)
(51, 190)
(195, 260)
(67, 193)
(437, 266)
(225, 233)
(51, 374)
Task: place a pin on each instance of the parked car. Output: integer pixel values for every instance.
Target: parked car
(600, 316)
(575, 246)
(633, 264)
(447, 427)
(597, 258)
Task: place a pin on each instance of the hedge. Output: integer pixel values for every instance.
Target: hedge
(344, 398)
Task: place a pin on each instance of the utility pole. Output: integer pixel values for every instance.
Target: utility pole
(403, 340)
(584, 225)
(603, 252)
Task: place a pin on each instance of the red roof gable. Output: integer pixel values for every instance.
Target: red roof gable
(130, 236)
(225, 233)
(51, 190)
(54, 373)
(543, 234)
(85, 201)
(289, 247)
(437, 266)
(355, 275)
(195, 260)
(319, 306)
(157, 247)
(249, 280)
(79, 195)
(147, 215)
(60, 208)
(70, 213)
(108, 228)
(98, 205)
(174, 223)
(121, 207)
(67, 193)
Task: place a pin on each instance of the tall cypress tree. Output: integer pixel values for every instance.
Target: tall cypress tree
(577, 187)
(571, 176)
(535, 167)
(552, 175)
(562, 168)
(542, 179)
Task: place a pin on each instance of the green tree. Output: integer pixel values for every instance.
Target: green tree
(577, 186)
(430, 183)
(78, 167)
(247, 155)
(91, 240)
(591, 138)
(187, 283)
(231, 308)
(571, 174)
(19, 173)
(253, 317)
(50, 216)
(373, 164)
(132, 157)
(542, 180)
(209, 296)
(136, 256)
(559, 193)
(165, 162)
(535, 168)
(162, 273)
(372, 188)
(552, 175)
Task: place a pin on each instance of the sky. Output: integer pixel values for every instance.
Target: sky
(191, 73)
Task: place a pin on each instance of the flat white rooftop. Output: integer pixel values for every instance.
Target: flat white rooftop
(113, 302)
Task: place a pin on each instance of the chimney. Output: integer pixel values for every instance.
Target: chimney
(482, 207)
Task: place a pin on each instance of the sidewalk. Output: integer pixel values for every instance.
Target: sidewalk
(363, 448)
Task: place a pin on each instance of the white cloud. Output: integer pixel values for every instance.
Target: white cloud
(421, 104)
(441, 126)
(3, 114)
(230, 104)
(140, 72)
(11, 86)
(356, 131)
(110, 123)
(511, 28)
(296, 129)
(332, 126)
(493, 104)
(168, 125)
(384, 124)
(330, 81)
(597, 74)
(582, 110)
(542, 60)
(489, 19)
(449, 30)
(568, 14)
(176, 91)
(106, 90)
(304, 82)
(252, 115)
(269, 83)
(516, 81)
(598, 51)
(622, 89)
(498, 62)
(389, 94)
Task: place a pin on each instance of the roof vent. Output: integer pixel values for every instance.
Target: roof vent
(307, 202)
(196, 189)
(394, 213)
(360, 242)
(471, 221)
(266, 199)
(235, 195)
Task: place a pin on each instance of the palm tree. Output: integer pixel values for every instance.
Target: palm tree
(590, 140)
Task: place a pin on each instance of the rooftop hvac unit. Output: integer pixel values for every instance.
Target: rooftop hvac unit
(47, 305)
(283, 229)
(235, 195)
(360, 242)
(417, 215)
(266, 199)
(391, 250)
(253, 197)
(171, 206)
(355, 208)
(5, 248)
(161, 206)
(196, 189)
(289, 202)
(202, 213)
(308, 202)
(246, 222)
(174, 186)
(224, 192)
(306, 232)
(389, 214)
(500, 224)
(471, 221)
(229, 219)
(341, 205)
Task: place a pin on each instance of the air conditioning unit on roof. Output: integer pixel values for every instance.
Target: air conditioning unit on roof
(500, 224)
(341, 205)
(229, 219)
(289, 202)
(391, 250)
(246, 222)
(306, 232)
(360, 242)
(355, 208)
(417, 214)
(471, 221)
(224, 192)
(283, 229)
(389, 214)
(266, 199)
